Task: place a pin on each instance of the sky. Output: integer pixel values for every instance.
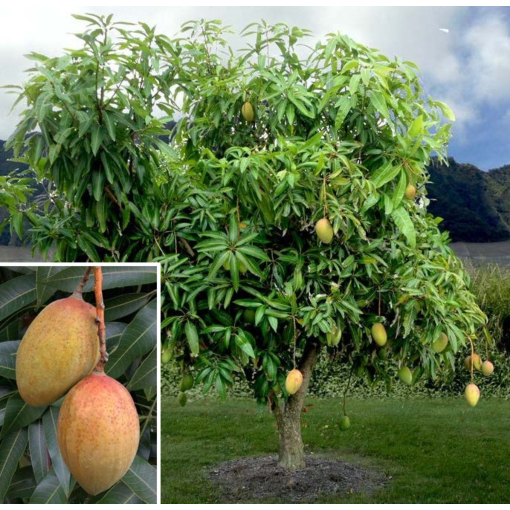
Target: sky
(463, 54)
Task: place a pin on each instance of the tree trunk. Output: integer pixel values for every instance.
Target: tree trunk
(288, 417)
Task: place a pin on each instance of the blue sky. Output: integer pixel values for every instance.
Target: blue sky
(467, 64)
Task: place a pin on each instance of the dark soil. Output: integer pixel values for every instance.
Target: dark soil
(260, 478)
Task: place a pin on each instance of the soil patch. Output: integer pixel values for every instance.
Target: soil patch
(255, 479)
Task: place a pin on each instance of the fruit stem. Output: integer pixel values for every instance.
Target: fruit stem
(295, 340)
(101, 328)
(78, 293)
(347, 389)
(472, 360)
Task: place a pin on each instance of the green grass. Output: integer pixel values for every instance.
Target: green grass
(436, 451)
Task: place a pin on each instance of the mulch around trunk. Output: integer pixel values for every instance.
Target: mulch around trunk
(255, 479)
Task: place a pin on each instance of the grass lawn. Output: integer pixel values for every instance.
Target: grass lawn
(435, 450)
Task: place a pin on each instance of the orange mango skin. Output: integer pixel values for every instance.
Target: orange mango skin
(98, 432)
(59, 348)
(294, 381)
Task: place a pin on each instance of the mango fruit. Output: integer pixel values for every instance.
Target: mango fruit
(477, 362)
(247, 112)
(59, 348)
(324, 230)
(182, 398)
(472, 394)
(345, 423)
(405, 375)
(98, 432)
(294, 381)
(379, 334)
(410, 192)
(440, 344)
(333, 338)
(487, 368)
(187, 382)
(166, 356)
(249, 315)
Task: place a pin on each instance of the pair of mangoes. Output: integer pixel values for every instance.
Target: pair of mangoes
(98, 427)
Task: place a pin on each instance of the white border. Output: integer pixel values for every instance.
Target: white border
(156, 265)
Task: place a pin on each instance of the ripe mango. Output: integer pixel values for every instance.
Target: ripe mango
(98, 432)
(410, 192)
(487, 368)
(324, 230)
(333, 338)
(186, 382)
(440, 344)
(405, 375)
(247, 112)
(472, 394)
(379, 334)
(59, 349)
(294, 381)
(477, 362)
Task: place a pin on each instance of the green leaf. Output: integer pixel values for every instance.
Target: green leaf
(141, 478)
(120, 494)
(385, 174)
(377, 99)
(19, 414)
(405, 225)
(12, 448)
(23, 484)
(8, 352)
(49, 491)
(400, 189)
(113, 277)
(125, 304)
(96, 138)
(45, 291)
(139, 337)
(192, 336)
(110, 125)
(416, 127)
(146, 374)
(59, 468)
(17, 293)
(38, 450)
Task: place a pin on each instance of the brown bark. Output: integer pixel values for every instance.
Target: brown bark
(288, 416)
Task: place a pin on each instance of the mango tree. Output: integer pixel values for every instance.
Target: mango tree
(288, 210)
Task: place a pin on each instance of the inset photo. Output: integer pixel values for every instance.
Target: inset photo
(78, 383)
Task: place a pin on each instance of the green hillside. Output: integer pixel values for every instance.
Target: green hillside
(475, 205)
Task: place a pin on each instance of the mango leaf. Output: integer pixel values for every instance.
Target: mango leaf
(23, 484)
(16, 294)
(45, 291)
(19, 414)
(114, 332)
(405, 225)
(385, 174)
(8, 352)
(146, 374)
(12, 448)
(123, 305)
(38, 450)
(139, 337)
(59, 467)
(49, 491)
(120, 494)
(141, 478)
(113, 277)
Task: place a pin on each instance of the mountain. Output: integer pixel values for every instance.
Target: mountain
(475, 205)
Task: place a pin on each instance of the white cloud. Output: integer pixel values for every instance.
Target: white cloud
(468, 67)
(488, 43)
